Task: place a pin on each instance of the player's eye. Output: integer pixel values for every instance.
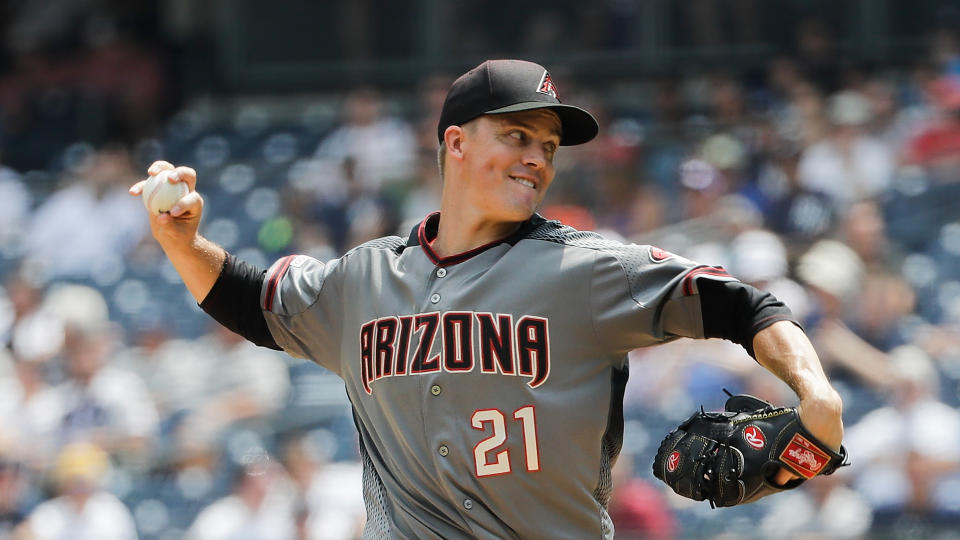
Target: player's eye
(518, 135)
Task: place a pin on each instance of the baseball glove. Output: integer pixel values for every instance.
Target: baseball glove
(730, 457)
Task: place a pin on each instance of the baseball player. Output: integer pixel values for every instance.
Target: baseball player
(485, 355)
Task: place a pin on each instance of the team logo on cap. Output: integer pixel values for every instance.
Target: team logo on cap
(547, 87)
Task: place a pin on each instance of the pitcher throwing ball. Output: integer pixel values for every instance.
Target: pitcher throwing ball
(485, 355)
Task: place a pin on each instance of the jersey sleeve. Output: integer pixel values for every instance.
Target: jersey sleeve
(642, 295)
(300, 297)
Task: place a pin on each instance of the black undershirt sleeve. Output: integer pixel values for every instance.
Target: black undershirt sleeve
(234, 301)
(737, 312)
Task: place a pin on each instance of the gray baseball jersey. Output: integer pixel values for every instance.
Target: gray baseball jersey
(486, 387)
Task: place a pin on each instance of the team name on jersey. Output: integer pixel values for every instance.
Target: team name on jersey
(404, 345)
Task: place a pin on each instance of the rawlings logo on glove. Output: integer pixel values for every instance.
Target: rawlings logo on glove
(713, 456)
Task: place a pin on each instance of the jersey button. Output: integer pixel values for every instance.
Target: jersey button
(435, 390)
(441, 272)
(443, 450)
(434, 298)
(468, 504)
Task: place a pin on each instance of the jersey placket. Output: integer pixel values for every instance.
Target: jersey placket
(434, 396)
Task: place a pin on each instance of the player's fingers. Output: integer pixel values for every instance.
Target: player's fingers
(183, 174)
(783, 476)
(159, 166)
(190, 204)
(137, 188)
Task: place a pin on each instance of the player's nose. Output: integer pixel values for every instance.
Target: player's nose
(535, 158)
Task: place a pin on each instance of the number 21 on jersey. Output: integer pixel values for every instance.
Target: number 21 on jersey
(500, 464)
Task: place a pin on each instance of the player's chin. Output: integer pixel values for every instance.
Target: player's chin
(520, 211)
(523, 205)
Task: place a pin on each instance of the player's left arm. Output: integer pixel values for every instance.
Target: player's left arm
(784, 349)
(766, 328)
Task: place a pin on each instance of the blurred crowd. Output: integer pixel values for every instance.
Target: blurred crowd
(128, 414)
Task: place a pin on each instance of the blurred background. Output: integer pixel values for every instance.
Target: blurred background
(810, 147)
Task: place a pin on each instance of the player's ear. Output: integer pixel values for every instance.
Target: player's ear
(453, 136)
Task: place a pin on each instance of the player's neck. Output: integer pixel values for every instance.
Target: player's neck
(459, 232)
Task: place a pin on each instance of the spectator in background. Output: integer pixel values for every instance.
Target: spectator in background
(885, 298)
(937, 145)
(83, 510)
(371, 157)
(892, 124)
(24, 407)
(261, 505)
(760, 259)
(97, 401)
(782, 77)
(832, 273)
(14, 489)
(381, 147)
(727, 104)
(637, 508)
(847, 165)
(864, 231)
(829, 509)
(798, 214)
(238, 381)
(34, 336)
(32, 332)
(800, 119)
(909, 450)
(423, 197)
(168, 367)
(90, 223)
(703, 188)
(331, 491)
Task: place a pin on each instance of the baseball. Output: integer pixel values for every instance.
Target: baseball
(159, 195)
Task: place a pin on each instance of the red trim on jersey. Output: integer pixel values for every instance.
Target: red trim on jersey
(717, 271)
(427, 244)
(275, 280)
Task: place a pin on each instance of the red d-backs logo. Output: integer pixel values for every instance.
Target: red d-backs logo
(754, 437)
(547, 87)
(658, 254)
(673, 461)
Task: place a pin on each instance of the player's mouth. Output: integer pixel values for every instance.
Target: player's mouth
(524, 181)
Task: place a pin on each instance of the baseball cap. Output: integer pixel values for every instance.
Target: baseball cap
(505, 86)
(849, 108)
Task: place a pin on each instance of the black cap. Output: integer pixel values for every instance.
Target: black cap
(504, 86)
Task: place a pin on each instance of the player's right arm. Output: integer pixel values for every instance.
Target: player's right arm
(196, 259)
(227, 288)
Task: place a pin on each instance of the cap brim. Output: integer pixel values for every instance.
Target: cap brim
(578, 125)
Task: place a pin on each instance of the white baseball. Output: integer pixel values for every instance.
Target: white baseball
(159, 195)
